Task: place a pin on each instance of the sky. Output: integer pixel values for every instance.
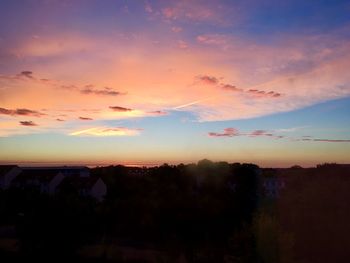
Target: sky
(151, 82)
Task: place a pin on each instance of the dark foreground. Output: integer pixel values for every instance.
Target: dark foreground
(209, 212)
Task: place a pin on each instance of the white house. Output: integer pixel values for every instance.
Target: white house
(98, 190)
(7, 174)
(91, 186)
(45, 181)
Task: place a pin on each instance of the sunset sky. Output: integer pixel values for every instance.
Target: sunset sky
(148, 82)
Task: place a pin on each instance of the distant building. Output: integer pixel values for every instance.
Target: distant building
(273, 185)
(50, 180)
(85, 186)
(7, 174)
(45, 181)
(81, 171)
(137, 171)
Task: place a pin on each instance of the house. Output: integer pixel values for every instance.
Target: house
(91, 186)
(273, 185)
(45, 181)
(50, 180)
(7, 174)
(81, 171)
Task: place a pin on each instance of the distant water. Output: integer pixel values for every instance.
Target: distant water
(90, 165)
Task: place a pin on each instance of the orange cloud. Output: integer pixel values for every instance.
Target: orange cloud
(155, 77)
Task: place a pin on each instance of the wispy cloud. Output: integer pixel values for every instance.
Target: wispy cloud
(87, 89)
(260, 133)
(231, 87)
(233, 132)
(158, 112)
(292, 129)
(205, 12)
(182, 44)
(106, 131)
(148, 7)
(261, 93)
(176, 29)
(27, 74)
(103, 91)
(329, 140)
(228, 132)
(21, 112)
(210, 80)
(214, 39)
(248, 79)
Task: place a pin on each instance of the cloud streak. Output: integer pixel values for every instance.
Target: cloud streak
(85, 119)
(209, 80)
(105, 91)
(27, 74)
(228, 132)
(106, 131)
(28, 123)
(21, 112)
(119, 109)
(233, 132)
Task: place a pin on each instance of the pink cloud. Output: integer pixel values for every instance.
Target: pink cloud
(272, 71)
(148, 7)
(210, 80)
(169, 13)
(214, 39)
(230, 87)
(258, 133)
(182, 44)
(205, 12)
(176, 29)
(228, 132)
(261, 93)
(232, 132)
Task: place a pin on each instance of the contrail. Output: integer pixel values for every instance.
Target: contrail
(192, 103)
(84, 131)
